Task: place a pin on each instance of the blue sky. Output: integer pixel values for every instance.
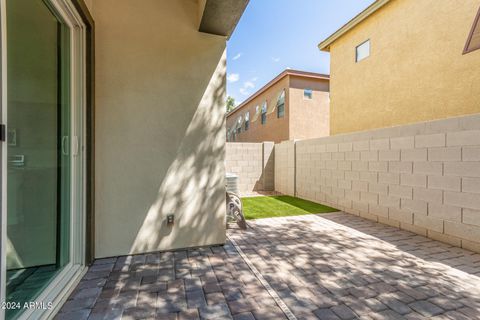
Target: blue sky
(273, 35)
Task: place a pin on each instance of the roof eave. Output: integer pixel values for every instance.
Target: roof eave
(287, 72)
(220, 17)
(325, 44)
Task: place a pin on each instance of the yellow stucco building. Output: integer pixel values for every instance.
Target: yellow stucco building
(405, 61)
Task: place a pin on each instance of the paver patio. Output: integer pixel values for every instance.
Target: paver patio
(333, 266)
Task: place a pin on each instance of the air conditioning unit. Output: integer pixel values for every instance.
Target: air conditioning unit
(231, 181)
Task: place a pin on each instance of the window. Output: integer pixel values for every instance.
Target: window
(264, 112)
(473, 41)
(307, 94)
(247, 120)
(281, 105)
(239, 125)
(362, 51)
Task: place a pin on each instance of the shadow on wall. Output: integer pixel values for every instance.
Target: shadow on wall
(160, 128)
(266, 180)
(253, 163)
(193, 188)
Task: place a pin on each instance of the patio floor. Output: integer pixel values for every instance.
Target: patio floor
(330, 266)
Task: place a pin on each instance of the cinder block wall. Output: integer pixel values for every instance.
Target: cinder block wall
(253, 163)
(285, 167)
(423, 177)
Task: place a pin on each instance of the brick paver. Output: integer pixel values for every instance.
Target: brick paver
(351, 268)
(333, 266)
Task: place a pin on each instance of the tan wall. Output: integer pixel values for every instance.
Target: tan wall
(160, 128)
(276, 129)
(253, 163)
(303, 118)
(309, 118)
(416, 70)
(89, 4)
(285, 167)
(423, 177)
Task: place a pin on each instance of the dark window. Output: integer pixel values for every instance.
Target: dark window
(281, 105)
(473, 41)
(247, 121)
(308, 94)
(264, 113)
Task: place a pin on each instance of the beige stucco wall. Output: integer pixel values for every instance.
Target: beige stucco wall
(309, 118)
(275, 129)
(416, 70)
(303, 118)
(160, 128)
(89, 4)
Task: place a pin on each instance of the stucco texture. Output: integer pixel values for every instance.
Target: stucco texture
(275, 129)
(303, 119)
(160, 128)
(309, 118)
(416, 70)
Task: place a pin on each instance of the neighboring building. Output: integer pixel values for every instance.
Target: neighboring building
(114, 114)
(405, 61)
(294, 105)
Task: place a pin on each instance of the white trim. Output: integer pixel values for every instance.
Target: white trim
(3, 161)
(325, 44)
(357, 60)
(56, 292)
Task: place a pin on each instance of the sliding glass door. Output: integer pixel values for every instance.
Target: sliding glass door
(44, 178)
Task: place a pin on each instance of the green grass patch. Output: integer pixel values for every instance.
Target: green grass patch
(280, 206)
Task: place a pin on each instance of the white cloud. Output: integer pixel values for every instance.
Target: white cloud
(237, 56)
(248, 84)
(245, 88)
(275, 59)
(254, 79)
(233, 77)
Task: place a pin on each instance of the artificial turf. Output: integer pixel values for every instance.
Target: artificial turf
(280, 206)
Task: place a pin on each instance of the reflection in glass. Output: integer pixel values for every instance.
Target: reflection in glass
(38, 181)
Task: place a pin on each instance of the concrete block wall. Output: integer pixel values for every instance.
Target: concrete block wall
(268, 166)
(423, 177)
(285, 167)
(253, 163)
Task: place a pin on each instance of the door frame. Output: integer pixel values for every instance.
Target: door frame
(75, 14)
(3, 156)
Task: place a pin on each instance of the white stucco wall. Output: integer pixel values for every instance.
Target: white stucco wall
(160, 132)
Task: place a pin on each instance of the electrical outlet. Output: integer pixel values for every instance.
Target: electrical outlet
(170, 219)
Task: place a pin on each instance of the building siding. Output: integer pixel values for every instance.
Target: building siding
(309, 118)
(160, 128)
(303, 118)
(415, 72)
(275, 129)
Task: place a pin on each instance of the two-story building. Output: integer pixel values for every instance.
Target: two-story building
(294, 105)
(405, 61)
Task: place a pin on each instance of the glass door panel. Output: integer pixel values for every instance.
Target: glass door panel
(39, 157)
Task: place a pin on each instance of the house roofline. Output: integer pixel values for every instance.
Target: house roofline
(287, 72)
(374, 7)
